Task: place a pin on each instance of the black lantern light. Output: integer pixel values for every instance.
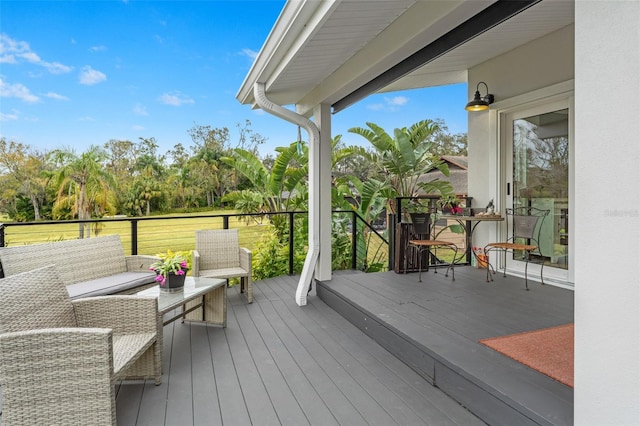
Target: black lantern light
(480, 103)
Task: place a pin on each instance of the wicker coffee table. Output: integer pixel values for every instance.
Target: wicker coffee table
(202, 299)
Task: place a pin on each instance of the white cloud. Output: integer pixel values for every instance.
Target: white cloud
(138, 128)
(15, 51)
(389, 104)
(396, 101)
(97, 48)
(140, 110)
(175, 99)
(252, 54)
(87, 118)
(17, 90)
(89, 76)
(57, 96)
(56, 67)
(8, 59)
(8, 117)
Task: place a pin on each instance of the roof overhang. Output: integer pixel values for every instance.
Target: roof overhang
(337, 52)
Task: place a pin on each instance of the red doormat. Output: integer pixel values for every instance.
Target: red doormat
(549, 351)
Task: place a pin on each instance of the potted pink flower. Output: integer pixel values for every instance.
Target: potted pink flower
(171, 270)
(450, 205)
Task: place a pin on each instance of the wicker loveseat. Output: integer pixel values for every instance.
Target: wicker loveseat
(88, 267)
(60, 359)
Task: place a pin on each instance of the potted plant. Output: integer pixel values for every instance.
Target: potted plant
(171, 270)
(450, 204)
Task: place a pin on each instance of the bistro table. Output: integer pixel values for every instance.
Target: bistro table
(209, 294)
(469, 223)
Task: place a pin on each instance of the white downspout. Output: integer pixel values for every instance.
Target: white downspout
(311, 260)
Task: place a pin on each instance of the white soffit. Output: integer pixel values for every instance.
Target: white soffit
(320, 51)
(541, 19)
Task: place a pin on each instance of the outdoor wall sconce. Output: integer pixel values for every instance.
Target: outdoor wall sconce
(480, 103)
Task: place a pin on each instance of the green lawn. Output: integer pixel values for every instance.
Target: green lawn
(155, 234)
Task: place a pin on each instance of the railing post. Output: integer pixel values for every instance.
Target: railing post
(2, 228)
(225, 222)
(134, 236)
(391, 228)
(291, 240)
(354, 241)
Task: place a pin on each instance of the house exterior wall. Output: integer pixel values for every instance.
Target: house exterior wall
(607, 218)
(534, 66)
(607, 232)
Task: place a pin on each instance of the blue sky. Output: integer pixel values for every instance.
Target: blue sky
(75, 74)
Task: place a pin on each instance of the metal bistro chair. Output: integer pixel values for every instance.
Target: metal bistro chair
(524, 224)
(421, 241)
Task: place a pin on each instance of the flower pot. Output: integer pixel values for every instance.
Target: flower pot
(173, 283)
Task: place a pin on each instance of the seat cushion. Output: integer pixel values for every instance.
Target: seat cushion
(224, 273)
(111, 284)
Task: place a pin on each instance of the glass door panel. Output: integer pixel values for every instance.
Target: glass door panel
(540, 178)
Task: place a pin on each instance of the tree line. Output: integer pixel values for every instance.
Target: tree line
(135, 179)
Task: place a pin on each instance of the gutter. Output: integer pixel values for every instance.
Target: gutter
(311, 260)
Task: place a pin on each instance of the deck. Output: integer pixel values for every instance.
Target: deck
(435, 326)
(277, 363)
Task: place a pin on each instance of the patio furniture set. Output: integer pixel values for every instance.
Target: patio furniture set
(92, 316)
(523, 227)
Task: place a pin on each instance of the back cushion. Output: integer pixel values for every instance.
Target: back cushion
(219, 248)
(33, 300)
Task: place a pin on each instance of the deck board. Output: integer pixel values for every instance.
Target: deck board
(435, 326)
(278, 363)
(418, 396)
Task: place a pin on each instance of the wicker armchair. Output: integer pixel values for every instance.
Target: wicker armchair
(218, 255)
(60, 359)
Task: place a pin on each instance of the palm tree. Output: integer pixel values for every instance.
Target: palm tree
(84, 186)
(406, 157)
(272, 190)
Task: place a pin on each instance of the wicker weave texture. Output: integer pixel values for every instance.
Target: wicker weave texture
(218, 248)
(215, 307)
(35, 300)
(60, 376)
(218, 255)
(77, 260)
(60, 359)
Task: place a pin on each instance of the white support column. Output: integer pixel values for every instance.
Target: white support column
(322, 118)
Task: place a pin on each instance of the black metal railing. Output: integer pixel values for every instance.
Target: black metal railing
(150, 235)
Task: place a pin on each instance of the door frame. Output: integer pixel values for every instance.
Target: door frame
(550, 99)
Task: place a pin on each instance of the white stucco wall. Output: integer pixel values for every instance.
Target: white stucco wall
(606, 223)
(607, 220)
(539, 64)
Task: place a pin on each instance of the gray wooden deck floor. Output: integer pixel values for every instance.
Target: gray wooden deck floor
(435, 326)
(278, 363)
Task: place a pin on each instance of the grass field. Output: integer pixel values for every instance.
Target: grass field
(155, 234)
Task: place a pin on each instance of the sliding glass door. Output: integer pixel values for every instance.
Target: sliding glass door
(537, 159)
